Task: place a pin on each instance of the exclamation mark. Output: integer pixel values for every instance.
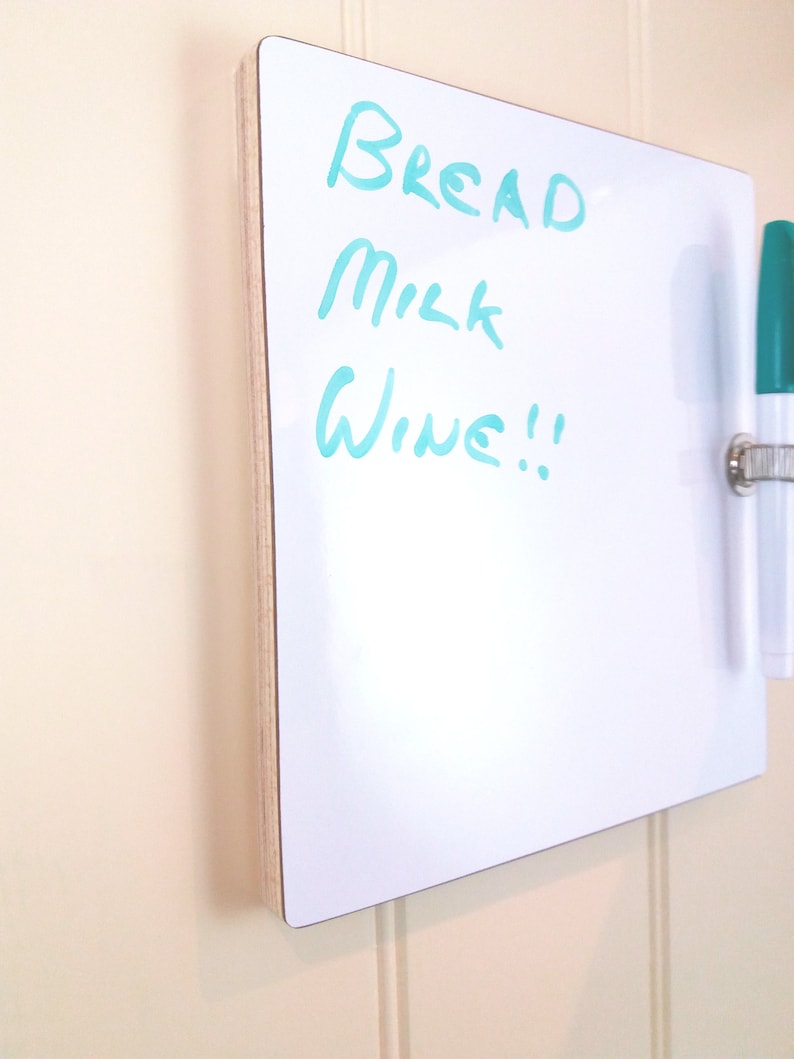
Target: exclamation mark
(532, 418)
(559, 426)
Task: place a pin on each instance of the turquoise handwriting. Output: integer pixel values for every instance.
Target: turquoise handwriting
(365, 159)
(457, 182)
(440, 442)
(475, 438)
(478, 314)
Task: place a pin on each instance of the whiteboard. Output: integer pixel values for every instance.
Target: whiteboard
(513, 596)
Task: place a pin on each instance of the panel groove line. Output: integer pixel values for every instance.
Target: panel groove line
(354, 27)
(389, 917)
(659, 935)
(391, 970)
(658, 847)
(637, 22)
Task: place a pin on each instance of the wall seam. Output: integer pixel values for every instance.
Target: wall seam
(638, 31)
(659, 931)
(354, 27)
(391, 971)
(389, 917)
(637, 28)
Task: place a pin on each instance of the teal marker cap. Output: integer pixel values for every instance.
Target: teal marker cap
(775, 334)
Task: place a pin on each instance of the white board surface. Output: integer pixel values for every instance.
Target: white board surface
(546, 626)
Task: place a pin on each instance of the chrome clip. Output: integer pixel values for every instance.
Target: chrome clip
(748, 462)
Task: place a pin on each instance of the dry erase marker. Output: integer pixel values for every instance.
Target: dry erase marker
(775, 389)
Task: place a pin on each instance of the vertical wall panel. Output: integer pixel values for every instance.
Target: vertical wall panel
(130, 921)
(719, 81)
(568, 59)
(720, 84)
(548, 956)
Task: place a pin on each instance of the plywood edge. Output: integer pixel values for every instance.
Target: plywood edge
(249, 180)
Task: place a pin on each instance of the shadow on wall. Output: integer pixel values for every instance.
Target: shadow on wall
(241, 944)
(214, 325)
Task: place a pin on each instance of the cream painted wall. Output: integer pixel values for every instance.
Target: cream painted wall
(129, 923)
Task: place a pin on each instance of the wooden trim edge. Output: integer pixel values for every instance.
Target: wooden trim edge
(249, 181)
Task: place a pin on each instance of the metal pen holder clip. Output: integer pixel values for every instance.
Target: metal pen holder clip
(748, 462)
